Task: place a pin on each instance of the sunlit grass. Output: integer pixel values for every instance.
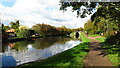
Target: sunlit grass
(72, 34)
(101, 39)
(112, 53)
(84, 39)
(94, 35)
(114, 59)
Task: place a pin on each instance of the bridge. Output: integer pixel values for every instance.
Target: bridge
(75, 34)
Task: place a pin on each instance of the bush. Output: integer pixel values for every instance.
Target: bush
(115, 39)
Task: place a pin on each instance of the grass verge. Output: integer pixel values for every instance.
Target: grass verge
(94, 35)
(84, 39)
(114, 59)
(72, 58)
(112, 52)
(101, 39)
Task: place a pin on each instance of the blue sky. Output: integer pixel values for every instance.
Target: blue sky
(31, 12)
(7, 3)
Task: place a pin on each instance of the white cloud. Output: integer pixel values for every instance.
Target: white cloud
(30, 12)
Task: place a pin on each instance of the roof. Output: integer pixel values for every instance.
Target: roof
(10, 30)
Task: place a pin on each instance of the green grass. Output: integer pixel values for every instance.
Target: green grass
(72, 36)
(101, 39)
(84, 39)
(94, 35)
(72, 32)
(112, 53)
(114, 59)
(72, 58)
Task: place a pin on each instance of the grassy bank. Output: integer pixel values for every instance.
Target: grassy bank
(101, 39)
(94, 35)
(84, 39)
(111, 50)
(112, 53)
(72, 58)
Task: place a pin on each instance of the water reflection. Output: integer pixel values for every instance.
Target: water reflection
(35, 49)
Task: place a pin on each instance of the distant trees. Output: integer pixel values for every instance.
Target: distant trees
(37, 29)
(5, 27)
(63, 30)
(80, 29)
(24, 32)
(15, 25)
(45, 29)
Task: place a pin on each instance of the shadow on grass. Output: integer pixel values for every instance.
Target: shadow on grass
(72, 58)
(111, 48)
(112, 44)
(113, 52)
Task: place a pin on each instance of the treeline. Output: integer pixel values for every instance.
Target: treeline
(35, 31)
(45, 29)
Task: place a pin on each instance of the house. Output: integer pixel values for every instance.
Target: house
(11, 32)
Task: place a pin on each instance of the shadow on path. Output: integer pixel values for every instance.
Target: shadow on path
(96, 57)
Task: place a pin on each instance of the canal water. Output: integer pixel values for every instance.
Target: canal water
(16, 53)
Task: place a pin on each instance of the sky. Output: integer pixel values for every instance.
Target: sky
(31, 12)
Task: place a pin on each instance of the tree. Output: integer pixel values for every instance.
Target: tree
(110, 11)
(24, 32)
(76, 6)
(15, 25)
(2, 26)
(44, 29)
(6, 27)
(4, 35)
(79, 29)
(63, 30)
(107, 14)
(89, 27)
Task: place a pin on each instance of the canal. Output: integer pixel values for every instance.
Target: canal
(17, 53)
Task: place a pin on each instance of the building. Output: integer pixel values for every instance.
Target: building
(11, 32)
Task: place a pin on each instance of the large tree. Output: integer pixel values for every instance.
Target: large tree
(107, 14)
(108, 10)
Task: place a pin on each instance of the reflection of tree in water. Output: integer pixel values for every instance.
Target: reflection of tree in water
(22, 45)
(39, 43)
(4, 47)
(63, 40)
(42, 43)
